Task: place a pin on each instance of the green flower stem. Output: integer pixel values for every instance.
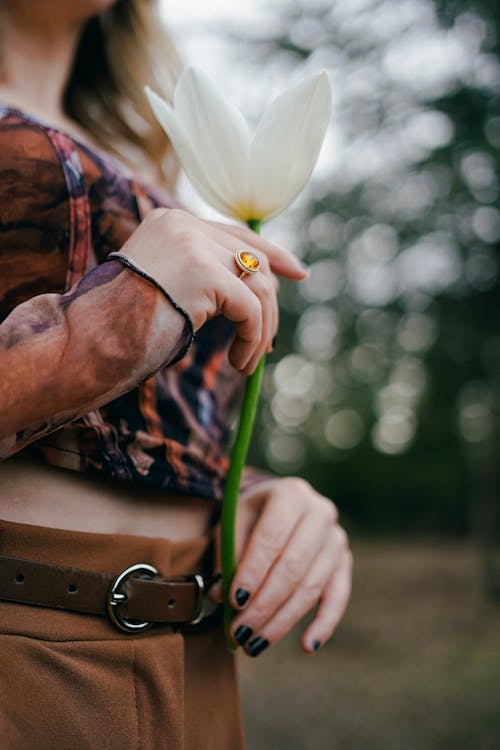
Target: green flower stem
(231, 492)
(254, 224)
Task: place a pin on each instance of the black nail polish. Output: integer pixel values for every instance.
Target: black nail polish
(316, 645)
(215, 579)
(258, 645)
(242, 634)
(273, 342)
(241, 597)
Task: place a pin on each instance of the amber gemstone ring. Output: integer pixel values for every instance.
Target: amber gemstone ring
(247, 262)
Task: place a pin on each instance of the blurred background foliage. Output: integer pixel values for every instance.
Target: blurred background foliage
(384, 387)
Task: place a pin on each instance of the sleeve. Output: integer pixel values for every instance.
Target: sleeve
(65, 354)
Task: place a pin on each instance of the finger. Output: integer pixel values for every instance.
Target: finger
(263, 287)
(263, 284)
(267, 286)
(240, 305)
(256, 281)
(276, 314)
(245, 521)
(303, 599)
(274, 527)
(311, 539)
(248, 515)
(282, 261)
(333, 605)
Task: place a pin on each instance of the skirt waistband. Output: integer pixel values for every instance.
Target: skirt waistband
(109, 552)
(105, 553)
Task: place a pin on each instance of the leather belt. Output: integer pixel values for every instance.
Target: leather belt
(133, 601)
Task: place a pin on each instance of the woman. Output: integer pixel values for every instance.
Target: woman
(114, 421)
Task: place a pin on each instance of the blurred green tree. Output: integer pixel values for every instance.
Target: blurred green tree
(385, 385)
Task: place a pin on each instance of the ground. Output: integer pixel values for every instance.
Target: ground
(415, 664)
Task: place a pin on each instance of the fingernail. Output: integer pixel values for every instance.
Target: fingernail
(316, 645)
(242, 634)
(241, 597)
(304, 267)
(258, 645)
(298, 262)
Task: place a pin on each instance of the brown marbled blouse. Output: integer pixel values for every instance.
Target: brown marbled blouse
(96, 371)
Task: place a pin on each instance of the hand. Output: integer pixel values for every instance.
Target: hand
(194, 261)
(291, 554)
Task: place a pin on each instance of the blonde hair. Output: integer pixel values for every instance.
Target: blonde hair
(119, 52)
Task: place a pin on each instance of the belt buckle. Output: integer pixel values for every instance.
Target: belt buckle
(198, 610)
(114, 598)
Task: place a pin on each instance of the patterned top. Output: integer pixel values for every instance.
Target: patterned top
(76, 361)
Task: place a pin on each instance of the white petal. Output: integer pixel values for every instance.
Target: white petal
(287, 143)
(217, 131)
(195, 170)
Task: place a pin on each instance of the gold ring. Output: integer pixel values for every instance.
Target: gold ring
(247, 262)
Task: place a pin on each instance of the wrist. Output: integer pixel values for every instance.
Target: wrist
(131, 265)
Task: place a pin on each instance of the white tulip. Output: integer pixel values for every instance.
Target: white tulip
(243, 176)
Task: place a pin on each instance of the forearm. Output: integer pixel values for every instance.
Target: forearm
(63, 355)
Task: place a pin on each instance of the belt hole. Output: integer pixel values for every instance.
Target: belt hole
(19, 578)
(171, 602)
(72, 588)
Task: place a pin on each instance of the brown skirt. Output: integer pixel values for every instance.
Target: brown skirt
(72, 681)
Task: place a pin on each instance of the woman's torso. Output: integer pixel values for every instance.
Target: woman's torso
(33, 491)
(43, 495)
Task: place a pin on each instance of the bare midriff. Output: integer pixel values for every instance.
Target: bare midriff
(35, 493)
